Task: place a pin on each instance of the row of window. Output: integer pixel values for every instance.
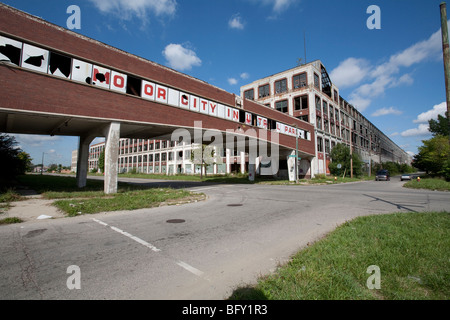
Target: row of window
(328, 147)
(280, 86)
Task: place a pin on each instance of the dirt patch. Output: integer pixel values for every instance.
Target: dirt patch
(31, 209)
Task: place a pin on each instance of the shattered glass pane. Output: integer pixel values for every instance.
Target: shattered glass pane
(10, 50)
(35, 58)
(60, 65)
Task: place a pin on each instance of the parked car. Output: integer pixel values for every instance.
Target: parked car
(406, 176)
(383, 175)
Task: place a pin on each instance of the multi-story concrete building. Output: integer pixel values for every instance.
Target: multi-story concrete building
(166, 157)
(307, 93)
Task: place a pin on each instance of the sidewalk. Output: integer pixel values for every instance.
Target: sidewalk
(32, 208)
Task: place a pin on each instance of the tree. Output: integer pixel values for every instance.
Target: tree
(204, 156)
(433, 156)
(101, 161)
(13, 160)
(341, 155)
(25, 162)
(439, 126)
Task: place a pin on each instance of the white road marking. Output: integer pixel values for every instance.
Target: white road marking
(201, 189)
(189, 268)
(138, 240)
(182, 264)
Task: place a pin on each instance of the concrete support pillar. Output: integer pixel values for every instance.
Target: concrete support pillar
(83, 160)
(228, 157)
(251, 171)
(112, 135)
(242, 162)
(291, 165)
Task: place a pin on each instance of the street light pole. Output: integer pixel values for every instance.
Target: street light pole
(42, 169)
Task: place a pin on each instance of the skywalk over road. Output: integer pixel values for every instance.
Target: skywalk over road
(202, 250)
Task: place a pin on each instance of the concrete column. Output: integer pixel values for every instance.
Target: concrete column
(228, 157)
(291, 165)
(112, 135)
(251, 170)
(83, 160)
(242, 162)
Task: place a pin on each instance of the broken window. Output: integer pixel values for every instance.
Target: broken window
(325, 108)
(303, 118)
(34, 58)
(281, 86)
(319, 123)
(301, 102)
(101, 77)
(60, 65)
(327, 146)
(282, 106)
(300, 81)
(134, 86)
(316, 81)
(264, 91)
(318, 104)
(10, 50)
(319, 145)
(81, 71)
(249, 94)
(326, 82)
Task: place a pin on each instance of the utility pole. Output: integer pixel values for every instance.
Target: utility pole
(296, 153)
(351, 151)
(42, 169)
(446, 51)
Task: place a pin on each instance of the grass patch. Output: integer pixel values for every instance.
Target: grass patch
(411, 249)
(61, 187)
(10, 196)
(6, 198)
(429, 183)
(130, 200)
(91, 199)
(10, 220)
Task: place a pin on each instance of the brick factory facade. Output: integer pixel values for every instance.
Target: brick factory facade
(307, 93)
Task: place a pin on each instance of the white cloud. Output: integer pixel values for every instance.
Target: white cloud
(236, 22)
(374, 80)
(359, 102)
(350, 72)
(245, 75)
(181, 58)
(422, 120)
(422, 130)
(232, 81)
(127, 8)
(278, 6)
(386, 111)
(30, 140)
(439, 109)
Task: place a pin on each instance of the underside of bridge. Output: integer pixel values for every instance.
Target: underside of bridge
(56, 82)
(87, 129)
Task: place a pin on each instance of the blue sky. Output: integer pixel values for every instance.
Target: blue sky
(393, 75)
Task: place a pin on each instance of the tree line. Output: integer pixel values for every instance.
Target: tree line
(434, 155)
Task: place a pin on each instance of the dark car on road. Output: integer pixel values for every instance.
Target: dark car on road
(382, 175)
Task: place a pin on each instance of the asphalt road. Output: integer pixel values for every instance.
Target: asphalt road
(239, 233)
